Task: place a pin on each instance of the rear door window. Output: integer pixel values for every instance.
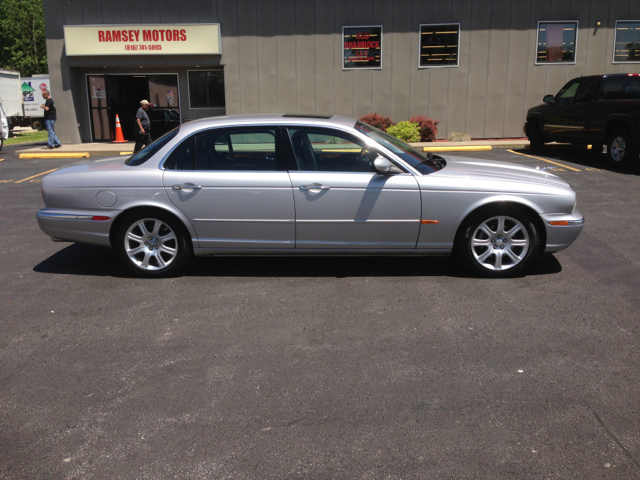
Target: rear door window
(241, 149)
(620, 88)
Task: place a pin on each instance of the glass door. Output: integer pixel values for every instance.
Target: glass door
(112, 95)
(98, 108)
(165, 112)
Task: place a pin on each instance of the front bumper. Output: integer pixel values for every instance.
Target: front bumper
(566, 229)
(85, 226)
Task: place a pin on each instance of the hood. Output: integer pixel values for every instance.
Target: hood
(498, 171)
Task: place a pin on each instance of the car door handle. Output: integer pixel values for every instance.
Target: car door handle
(314, 187)
(187, 187)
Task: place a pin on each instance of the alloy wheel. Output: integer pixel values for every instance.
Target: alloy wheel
(618, 148)
(500, 243)
(151, 244)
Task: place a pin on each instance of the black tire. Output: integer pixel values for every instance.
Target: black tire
(1, 143)
(37, 125)
(500, 254)
(536, 143)
(162, 233)
(622, 152)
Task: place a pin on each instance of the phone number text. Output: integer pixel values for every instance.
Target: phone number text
(134, 48)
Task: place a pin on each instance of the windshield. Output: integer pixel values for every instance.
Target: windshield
(422, 162)
(150, 150)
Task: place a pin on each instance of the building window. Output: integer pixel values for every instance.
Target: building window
(439, 45)
(556, 42)
(362, 47)
(206, 89)
(626, 48)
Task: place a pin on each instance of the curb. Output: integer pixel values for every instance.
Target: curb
(55, 155)
(479, 148)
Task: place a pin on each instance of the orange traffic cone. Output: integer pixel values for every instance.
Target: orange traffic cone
(119, 137)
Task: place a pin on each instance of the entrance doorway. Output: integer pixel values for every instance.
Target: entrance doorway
(112, 95)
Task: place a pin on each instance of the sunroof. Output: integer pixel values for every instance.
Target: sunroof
(302, 115)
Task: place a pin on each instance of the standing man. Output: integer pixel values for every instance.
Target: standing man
(143, 126)
(50, 119)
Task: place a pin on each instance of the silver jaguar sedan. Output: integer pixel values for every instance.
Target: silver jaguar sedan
(306, 185)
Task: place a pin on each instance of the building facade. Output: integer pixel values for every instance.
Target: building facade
(476, 66)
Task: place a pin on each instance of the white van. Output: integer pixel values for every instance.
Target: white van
(4, 127)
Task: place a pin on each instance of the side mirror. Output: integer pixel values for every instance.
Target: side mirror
(384, 166)
(548, 99)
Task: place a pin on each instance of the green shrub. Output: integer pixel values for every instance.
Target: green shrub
(406, 131)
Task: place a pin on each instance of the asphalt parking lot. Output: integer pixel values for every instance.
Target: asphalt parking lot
(255, 368)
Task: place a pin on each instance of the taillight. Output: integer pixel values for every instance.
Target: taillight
(633, 74)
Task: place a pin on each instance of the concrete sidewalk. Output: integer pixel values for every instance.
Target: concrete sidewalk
(85, 150)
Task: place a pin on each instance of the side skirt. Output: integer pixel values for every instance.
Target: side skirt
(207, 252)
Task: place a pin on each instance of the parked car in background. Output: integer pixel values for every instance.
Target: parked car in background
(163, 121)
(306, 185)
(593, 110)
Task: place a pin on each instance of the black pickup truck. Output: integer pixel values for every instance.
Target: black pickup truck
(594, 110)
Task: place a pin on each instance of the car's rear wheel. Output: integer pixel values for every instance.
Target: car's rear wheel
(153, 244)
(497, 242)
(536, 143)
(621, 150)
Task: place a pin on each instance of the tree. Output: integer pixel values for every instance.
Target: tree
(22, 38)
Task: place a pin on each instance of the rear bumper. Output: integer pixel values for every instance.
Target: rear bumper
(560, 236)
(77, 225)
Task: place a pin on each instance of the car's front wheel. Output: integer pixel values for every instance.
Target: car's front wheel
(153, 244)
(621, 150)
(498, 242)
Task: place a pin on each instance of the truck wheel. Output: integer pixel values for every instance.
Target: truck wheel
(535, 138)
(621, 151)
(1, 143)
(37, 125)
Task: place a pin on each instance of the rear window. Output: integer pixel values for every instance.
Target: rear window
(150, 150)
(620, 88)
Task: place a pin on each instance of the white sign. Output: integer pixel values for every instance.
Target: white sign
(161, 39)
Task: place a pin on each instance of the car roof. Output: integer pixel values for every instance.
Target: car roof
(606, 75)
(268, 119)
